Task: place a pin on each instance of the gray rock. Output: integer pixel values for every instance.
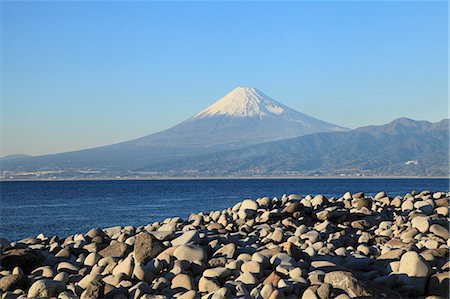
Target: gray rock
(146, 247)
(348, 283)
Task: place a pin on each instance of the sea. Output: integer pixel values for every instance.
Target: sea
(28, 208)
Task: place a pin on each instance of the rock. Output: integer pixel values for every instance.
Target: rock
(318, 200)
(189, 295)
(115, 250)
(421, 223)
(249, 204)
(208, 285)
(217, 273)
(183, 281)
(190, 253)
(190, 236)
(68, 268)
(407, 205)
(413, 271)
(146, 247)
(96, 232)
(438, 284)
(324, 291)
(431, 244)
(94, 290)
(442, 211)
(46, 288)
(125, 266)
(92, 259)
(25, 259)
(312, 235)
(88, 279)
(292, 208)
(12, 282)
(396, 202)
(440, 231)
(67, 295)
(309, 294)
(394, 254)
(63, 276)
(251, 267)
(227, 251)
(363, 203)
(424, 207)
(277, 235)
(272, 279)
(380, 195)
(4, 244)
(357, 195)
(348, 283)
(247, 278)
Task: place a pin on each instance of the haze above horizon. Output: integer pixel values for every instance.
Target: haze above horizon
(84, 74)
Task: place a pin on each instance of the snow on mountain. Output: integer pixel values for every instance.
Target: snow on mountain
(244, 102)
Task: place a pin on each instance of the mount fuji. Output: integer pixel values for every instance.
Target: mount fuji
(243, 117)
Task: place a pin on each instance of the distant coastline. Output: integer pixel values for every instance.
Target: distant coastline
(168, 178)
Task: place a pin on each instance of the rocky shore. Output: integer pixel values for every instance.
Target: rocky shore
(290, 247)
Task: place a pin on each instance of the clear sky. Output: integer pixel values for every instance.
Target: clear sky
(82, 74)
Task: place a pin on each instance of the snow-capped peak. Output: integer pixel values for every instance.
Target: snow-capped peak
(243, 102)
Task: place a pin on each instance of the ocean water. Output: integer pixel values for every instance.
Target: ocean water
(67, 207)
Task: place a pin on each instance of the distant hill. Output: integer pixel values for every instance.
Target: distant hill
(403, 147)
(243, 117)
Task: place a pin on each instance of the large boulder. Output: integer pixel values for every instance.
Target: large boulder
(147, 247)
(413, 271)
(25, 259)
(347, 282)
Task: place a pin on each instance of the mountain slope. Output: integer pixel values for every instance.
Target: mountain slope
(243, 117)
(402, 147)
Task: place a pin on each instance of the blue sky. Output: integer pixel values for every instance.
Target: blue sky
(83, 74)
